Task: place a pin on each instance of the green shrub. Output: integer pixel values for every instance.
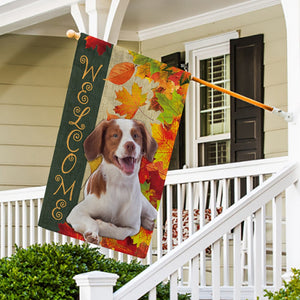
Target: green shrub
(290, 291)
(46, 272)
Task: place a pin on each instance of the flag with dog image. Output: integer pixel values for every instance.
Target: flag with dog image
(114, 145)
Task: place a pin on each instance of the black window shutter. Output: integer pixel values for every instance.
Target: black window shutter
(246, 78)
(178, 156)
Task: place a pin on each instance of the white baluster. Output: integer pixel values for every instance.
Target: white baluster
(152, 294)
(237, 268)
(169, 216)
(9, 229)
(40, 230)
(159, 231)
(194, 282)
(179, 228)
(258, 255)
(32, 223)
(173, 286)
(215, 260)
(17, 223)
(225, 205)
(24, 224)
(2, 246)
(202, 222)
(249, 229)
(277, 241)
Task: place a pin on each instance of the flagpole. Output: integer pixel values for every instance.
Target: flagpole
(285, 115)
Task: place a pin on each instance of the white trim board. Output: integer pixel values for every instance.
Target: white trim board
(206, 18)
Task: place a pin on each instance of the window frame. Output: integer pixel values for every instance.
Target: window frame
(196, 51)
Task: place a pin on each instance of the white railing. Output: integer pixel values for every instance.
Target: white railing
(251, 206)
(188, 189)
(187, 193)
(19, 212)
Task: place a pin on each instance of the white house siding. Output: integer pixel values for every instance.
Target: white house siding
(35, 70)
(34, 75)
(271, 23)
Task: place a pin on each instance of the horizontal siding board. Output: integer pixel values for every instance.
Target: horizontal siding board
(26, 155)
(34, 56)
(276, 95)
(276, 141)
(40, 76)
(28, 135)
(23, 41)
(30, 115)
(32, 95)
(275, 73)
(23, 175)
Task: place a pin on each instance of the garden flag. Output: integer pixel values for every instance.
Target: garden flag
(113, 148)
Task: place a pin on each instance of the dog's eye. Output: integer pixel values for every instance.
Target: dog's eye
(115, 135)
(135, 136)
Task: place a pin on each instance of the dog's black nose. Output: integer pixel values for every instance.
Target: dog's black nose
(129, 146)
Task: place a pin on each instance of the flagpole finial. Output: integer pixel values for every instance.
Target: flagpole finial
(73, 34)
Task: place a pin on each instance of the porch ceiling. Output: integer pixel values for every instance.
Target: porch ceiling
(143, 19)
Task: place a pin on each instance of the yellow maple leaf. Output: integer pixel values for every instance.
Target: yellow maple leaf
(130, 102)
(144, 236)
(165, 138)
(94, 164)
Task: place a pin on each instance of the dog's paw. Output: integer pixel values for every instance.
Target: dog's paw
(148, 224)
(92, 238)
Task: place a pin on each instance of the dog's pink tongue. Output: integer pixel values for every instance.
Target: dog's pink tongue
(127, 165)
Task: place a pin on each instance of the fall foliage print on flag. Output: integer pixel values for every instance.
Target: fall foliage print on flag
(138, 87)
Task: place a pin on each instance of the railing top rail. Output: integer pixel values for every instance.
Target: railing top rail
(229, 171)
(22, 194)
(232, 170)
(208, 234)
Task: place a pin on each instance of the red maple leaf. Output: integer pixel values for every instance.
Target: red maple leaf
(94, 43)
(66, 229)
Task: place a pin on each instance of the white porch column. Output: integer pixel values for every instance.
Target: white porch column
(96, 285)
(98, 11)
(292, 17)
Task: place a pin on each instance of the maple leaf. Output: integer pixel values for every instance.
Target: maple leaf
(165, 137)
(144, 236)
(185, 78)
(94, 164)
(66, 229)
(121, 73)
(171, 108)
(130, 102)
(92, 42)
(139, 59)
(111, 116)
(159, 167)
(176, 76)
(143, 71)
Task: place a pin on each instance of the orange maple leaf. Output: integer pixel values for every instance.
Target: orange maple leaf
(165, 138)
(130, 102)
(144, 236)
(143, 71)
(159, 167)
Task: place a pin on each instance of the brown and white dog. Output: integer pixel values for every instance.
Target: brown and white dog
(113, 204)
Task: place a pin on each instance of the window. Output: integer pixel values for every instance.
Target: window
(214, 112)
(208, 110)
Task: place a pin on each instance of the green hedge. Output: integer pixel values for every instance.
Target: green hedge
(47, 271)
(290, 291)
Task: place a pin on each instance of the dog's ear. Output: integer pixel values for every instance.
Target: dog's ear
(149, 143)
(93, 144)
